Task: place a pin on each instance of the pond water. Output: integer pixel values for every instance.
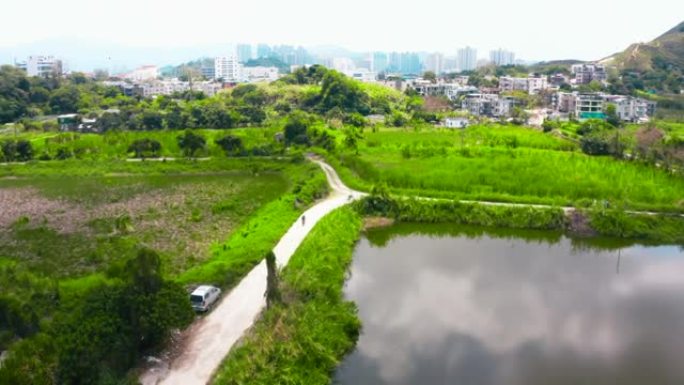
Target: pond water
(454, 305)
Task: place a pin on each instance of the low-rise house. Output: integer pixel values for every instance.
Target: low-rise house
(260, 74)
(491, 105)
(453, 91)
(68, 122)
(456, 122)
(532, 84)
(586, 73)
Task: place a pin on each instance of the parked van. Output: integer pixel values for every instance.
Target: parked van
(204, 296)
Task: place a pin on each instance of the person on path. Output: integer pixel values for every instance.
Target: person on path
(303, 220)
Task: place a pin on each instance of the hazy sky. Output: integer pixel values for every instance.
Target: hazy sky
(534, 29)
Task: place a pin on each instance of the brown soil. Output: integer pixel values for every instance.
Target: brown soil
(377, 222)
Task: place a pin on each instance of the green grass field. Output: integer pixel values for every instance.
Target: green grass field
(508, 165)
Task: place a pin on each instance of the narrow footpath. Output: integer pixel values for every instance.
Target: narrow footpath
(211, 338)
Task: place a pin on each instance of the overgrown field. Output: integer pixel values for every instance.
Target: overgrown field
(68, 232)
(70, 226)
(302, 340)
(508, 165)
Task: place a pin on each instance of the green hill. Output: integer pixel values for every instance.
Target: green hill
(665, 52)
(657, 65)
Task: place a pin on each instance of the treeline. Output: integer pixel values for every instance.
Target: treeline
(316, 90)
(94, 334)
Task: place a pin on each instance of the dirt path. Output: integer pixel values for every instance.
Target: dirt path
(210, 339)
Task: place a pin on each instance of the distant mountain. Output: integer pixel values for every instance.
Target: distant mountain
(665, 52)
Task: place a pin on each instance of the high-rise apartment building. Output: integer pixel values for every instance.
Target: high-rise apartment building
(435, 62)
(244, 52)
(380, 62)
(502, 57)
(227, 68)
(264, 50)
(466, 59)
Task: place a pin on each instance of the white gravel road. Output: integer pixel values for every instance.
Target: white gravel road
(211, 338)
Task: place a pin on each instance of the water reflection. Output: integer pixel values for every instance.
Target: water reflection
(492, 309)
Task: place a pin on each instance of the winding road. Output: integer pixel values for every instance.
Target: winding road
(210, 339)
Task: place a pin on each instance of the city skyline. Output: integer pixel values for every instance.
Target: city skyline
(528, 28)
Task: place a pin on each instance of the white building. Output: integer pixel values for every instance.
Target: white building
(466, 59)
(435, 62)
(531, 84)
(362, 74)
(451, 90)
(260, 74)
(488, 105)
(343, 64)
(42, 66)
(227, 69)
(456, 122)
(502, 57)
(144, 73)
(586, 73)
(171, 86)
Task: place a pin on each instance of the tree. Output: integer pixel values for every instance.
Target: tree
(352, 136)
(65, 100)
(611, 115)
(145, 148)
(9, 151)
(110, 121)
(191, 143)
(152, 120)
(296, 128)
(14, 93)
(272, 291)
(230, 144)
(430, 76)
(24, 150)
(595, 144)
(339, 91)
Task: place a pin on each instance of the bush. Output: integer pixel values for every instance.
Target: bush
(144, 148)
(231, 145)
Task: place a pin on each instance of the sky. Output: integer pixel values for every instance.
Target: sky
(533, 29)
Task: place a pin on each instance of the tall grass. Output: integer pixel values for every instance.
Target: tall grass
(508, 174)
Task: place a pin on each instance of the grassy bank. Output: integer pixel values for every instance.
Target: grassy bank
(302, 340)
(612, 223)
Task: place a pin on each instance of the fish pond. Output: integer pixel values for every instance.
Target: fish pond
(444, 304)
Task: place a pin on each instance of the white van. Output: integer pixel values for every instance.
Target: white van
(204, 296)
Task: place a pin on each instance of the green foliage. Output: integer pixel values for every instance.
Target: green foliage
(658, 228)
(232, 145)
(437, 211)
(272, 290)
(296, 128)
(20, 151)
(143, 148)
(303, 341)
(191, 143)
(65, 100)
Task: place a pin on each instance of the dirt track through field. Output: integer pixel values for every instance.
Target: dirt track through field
(212, 337)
